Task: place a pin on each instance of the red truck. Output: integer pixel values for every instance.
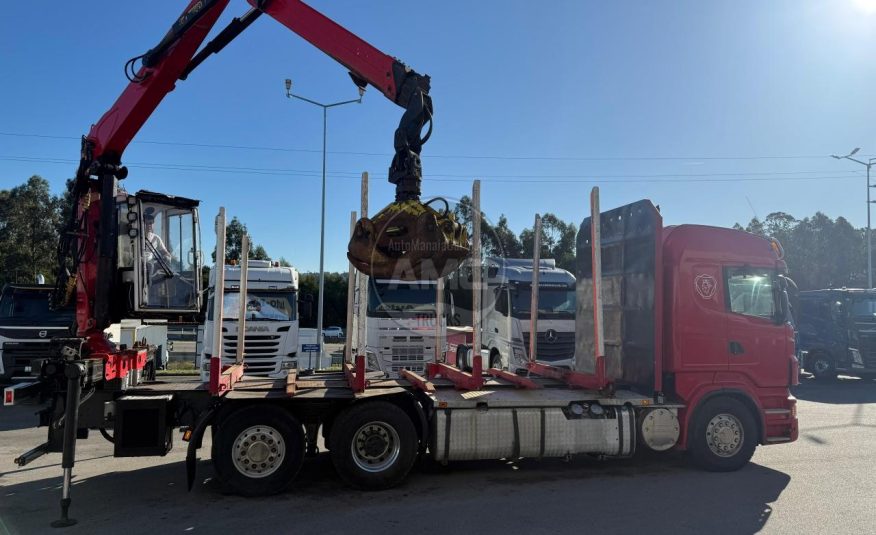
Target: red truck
(698, 356)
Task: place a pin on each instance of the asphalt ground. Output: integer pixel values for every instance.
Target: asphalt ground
(823, 483)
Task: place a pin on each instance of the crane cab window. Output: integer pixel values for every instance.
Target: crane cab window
(750, 291)
(168, 258)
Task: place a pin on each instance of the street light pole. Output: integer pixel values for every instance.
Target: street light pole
(868, 164)
(325, 107)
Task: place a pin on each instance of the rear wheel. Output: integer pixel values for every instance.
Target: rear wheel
(258, 450)
(373, 445)
(822, 366)
(723, 436)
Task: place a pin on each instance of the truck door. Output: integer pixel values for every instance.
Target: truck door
(756, 342)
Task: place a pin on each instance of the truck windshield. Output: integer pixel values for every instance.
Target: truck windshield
(20, 306)
(260, 306)
(553, 302)
(400, 299)
(864, 307)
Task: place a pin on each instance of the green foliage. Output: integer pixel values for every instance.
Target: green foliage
(820, 252)
(498, 240)
(29, 223)
(234, 232)
(335, 304)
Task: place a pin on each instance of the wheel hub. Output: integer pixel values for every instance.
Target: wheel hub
(724, 435)
(258, 451)
(375, 446)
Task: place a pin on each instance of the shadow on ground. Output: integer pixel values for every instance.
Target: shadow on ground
(653, 495)
(843, 390)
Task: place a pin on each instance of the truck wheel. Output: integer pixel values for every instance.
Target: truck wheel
(258, 450)
(495, 360)
(373, 445)
(822, 366)
(723, 436)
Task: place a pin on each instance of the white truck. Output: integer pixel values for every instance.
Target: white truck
(506, 302)
(401, 325)
(272, 345)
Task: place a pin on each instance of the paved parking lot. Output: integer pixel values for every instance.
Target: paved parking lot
(824, 483)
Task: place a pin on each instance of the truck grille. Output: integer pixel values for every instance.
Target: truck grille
(561, 347)
(260, 352)
(407, 352)
(868, 351)
(18, 355)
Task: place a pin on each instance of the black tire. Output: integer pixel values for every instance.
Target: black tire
(495, 360)
(373, 445)
(267, 430)
(821, 366)
(732, 418)
(463, 357)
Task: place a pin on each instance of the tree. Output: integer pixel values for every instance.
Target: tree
(499, 241)
(557, 241)
(335, 302)
(234, 232)
(29, 222)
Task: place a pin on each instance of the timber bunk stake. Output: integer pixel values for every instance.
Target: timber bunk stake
(356, 378)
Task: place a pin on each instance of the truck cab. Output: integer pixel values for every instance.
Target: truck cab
(506, 301)
(837, 329)
(401, 325)
(27, 326)
(272, 326)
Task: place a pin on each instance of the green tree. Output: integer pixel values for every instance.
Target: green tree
(29, 221)
(335, 303)
(498, 240)
(234, 232)
(557, 241)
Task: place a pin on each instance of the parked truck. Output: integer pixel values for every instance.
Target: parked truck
(506, 302)
(272, 334)
(401, 325)
(698, 356)
(837, 330)
(27, 326)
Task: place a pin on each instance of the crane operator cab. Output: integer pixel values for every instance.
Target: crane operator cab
(159, 253)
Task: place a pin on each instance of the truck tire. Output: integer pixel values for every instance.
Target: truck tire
(373, 445)
(258, 450)
(723, 435)
(495, 359)
(821, 366)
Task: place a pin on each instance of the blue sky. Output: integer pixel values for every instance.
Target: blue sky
(714, 110)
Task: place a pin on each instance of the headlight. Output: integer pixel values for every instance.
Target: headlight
(289, 365)
(518, 353)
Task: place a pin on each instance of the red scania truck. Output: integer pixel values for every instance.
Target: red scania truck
(698, 356)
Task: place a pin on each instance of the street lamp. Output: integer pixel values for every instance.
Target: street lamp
(325, 108)
(867, 164)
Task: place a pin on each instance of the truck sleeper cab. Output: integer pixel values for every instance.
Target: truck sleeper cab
(837, 330)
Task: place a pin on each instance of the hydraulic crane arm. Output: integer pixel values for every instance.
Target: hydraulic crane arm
(175, 57)
(390, 244)
(406, 240)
